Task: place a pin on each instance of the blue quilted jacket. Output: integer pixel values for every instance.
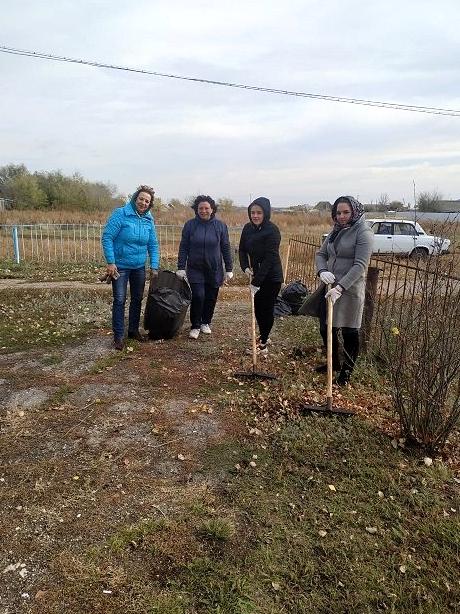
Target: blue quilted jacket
(127, 238)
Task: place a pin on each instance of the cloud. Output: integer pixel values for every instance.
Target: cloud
(187, 137)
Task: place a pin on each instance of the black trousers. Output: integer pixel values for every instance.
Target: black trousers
(204, 298)
(264, 306)
(350, 346)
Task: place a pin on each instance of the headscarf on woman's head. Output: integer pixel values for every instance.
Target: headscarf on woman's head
(357, 210)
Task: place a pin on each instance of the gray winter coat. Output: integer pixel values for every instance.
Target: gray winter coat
(348, 258)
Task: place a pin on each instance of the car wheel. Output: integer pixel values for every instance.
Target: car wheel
(419, 253)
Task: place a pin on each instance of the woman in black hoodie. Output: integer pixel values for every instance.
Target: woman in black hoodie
(260, 260)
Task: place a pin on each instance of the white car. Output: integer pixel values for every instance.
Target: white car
(405, 237)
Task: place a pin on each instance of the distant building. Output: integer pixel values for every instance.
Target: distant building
(449, 206)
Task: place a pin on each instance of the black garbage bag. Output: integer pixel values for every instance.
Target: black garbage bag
(294, 294)
(167, 303)
(282, 308)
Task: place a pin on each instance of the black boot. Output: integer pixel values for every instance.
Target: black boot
(336, 366)
(343, 377)
(350, 338)
(118, 344)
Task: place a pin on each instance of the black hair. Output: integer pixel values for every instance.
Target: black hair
(202, 198)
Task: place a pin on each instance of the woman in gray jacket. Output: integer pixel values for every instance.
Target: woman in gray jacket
(342, 262)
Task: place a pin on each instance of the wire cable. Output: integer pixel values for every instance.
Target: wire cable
(269, 90)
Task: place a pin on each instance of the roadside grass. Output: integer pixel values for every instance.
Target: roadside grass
(51, 271)
(49, 317)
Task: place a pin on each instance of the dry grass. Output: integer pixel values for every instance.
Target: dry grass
(291, 223)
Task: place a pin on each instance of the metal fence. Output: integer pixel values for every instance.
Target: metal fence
(397, 285)
(76, 242)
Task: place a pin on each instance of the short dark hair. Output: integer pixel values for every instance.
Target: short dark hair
(144, 188)
(202, 198)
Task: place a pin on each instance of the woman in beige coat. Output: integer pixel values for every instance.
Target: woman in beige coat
(342, 262)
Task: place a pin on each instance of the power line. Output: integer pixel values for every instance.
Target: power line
(268, 90)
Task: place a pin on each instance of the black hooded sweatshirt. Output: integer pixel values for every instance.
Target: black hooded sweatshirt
(261, 245)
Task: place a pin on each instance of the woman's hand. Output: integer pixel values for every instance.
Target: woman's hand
(334, 294)
(153, 274)
(181, 274)
(327, 277)
(228, 275)
(112, 270)
(248, 272)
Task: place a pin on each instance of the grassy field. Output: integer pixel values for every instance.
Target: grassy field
(153, 481)
(296, 223)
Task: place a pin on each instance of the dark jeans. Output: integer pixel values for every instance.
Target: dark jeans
(136, 278)
(264, 305)
(204, 298)
(350, 338)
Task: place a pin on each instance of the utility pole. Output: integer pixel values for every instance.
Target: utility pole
(415, 203)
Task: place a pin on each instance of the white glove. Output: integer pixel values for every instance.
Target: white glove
(334, 294)
(254, 289)
(248, 272)
(327, 277)
(181, 273)
(229, 275)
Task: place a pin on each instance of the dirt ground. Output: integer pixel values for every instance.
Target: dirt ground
(93, 438)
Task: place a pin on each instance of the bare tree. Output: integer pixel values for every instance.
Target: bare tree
(429, 201)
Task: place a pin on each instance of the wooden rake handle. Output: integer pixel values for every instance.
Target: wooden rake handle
(329, 351)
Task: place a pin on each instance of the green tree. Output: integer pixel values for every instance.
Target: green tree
(27, 193)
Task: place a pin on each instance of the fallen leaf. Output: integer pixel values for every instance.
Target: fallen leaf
(181, 457)
(322, 533)
(403, 569)
(276, 586)
(332, 487)
(371, 530)
(428, 461)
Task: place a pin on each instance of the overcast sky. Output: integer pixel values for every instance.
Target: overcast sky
(186, 138)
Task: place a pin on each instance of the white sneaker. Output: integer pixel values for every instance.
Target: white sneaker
(194, 333)
(206, 329)
(268, 342)
(262, 350)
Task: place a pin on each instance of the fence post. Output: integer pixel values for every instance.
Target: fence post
(17, 256)
(369, 303)
(286, 262)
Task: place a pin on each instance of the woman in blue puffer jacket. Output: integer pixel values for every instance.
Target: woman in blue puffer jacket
(127, 238)
(204, 250)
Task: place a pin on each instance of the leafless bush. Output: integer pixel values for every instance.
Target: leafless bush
(422, 352)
